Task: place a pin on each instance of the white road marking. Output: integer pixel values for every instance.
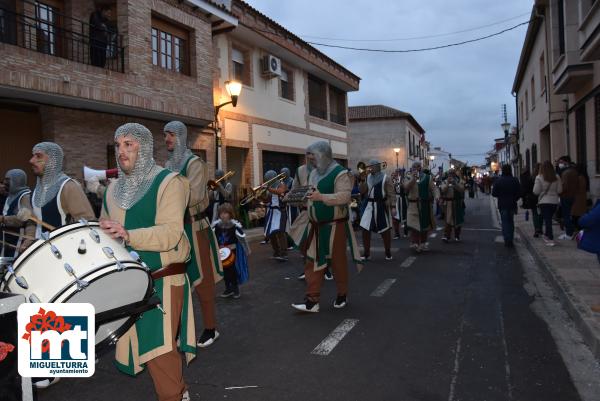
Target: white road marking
(456, 361)
(239, 387)
(433, 235)
(333, 339)
(383, 287)
(506, 364)
(439, 229)
(408, 261)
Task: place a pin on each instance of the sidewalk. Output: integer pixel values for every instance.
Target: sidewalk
(574, 274)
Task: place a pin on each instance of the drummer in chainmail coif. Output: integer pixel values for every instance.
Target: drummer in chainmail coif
(377, 215)
(19, 198)
(145, 208)
(329, 231)
(57, 199)
(204, 268)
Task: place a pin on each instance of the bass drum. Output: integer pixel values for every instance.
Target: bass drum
(79, 263)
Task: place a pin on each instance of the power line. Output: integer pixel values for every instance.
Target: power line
(417, 37)
(464, 42)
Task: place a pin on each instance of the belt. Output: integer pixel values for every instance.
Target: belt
(170, 270)
(197, 217)
(314, 231)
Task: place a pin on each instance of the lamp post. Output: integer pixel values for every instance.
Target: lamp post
(397, 151)
(431, 159)
(233, 88)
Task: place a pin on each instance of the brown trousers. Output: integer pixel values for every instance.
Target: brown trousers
(206, 290)
(279, 243)
(387, 241)
(448, 231)
(418, 237)
(338, 265)
(166, 370)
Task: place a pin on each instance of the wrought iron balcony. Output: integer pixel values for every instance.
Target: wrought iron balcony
(52, 33)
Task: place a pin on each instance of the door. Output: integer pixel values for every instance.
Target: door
(278, 160)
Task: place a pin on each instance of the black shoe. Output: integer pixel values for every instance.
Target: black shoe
(42, 383)
(208, 337)
(509, 244)
(236, 294)
(328, 275)
(340, 302)
(302, 276)
(227, 294)
(307, 306)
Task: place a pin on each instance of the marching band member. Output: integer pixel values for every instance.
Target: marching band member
(329, 230)
(420, 220)
(204, 266)
(453, 192)
(145, 207)
(275, 221)
(401, 205)
(18, 198)
(220, 195)
(230, 234)
(377, 215)
(291, 211)
(57, 199)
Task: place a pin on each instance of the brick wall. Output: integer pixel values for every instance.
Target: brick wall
(143, 85)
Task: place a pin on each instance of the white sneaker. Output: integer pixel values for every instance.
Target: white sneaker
(302, 276)
(186, 396)
(564, 236)
(307, 306)
(425, 246)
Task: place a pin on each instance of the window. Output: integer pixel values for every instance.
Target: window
(532, 93)
(526, 106)
(317, 99)
(521, 115)
(48, 23)
(597, 113)
(337, 105)
(534, 155)
(542, 73)
(170, 46)
(581, 134)
(528, 160)
(561, 26)
(240, 66)
(286, 84)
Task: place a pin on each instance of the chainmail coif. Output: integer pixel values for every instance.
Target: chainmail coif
(52, 178)
(181, 153)
(132, 187)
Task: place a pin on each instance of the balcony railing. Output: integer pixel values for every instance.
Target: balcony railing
(318, 112)
(52, 33)
(337, 118)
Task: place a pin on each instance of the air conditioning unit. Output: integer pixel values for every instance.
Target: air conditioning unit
(271, 66)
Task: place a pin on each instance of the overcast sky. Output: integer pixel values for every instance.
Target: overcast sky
(456, 94)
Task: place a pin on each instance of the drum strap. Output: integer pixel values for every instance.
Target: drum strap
(190, 219)
(170, 270)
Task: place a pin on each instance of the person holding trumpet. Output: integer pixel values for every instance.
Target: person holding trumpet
(221, 192)
(18, 198)
(377, 217)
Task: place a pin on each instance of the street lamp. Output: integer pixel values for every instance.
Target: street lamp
(233, 88)
(397, 151)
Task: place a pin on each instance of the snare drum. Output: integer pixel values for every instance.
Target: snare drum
(227, 256)
(80, 263)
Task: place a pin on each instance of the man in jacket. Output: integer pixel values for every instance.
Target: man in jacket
(508, 191)
(570, 182)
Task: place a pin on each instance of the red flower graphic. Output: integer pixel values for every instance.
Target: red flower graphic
(5, 348)
(45, 321)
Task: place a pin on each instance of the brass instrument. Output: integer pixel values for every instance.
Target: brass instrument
(260, 190)
(297, 196)
(212, 184)
(367, 169)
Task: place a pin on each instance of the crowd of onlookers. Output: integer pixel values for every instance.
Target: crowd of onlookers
(551, 193)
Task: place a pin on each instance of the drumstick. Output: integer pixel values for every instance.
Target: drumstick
(20, 235)
(6, 243)
(25, 214)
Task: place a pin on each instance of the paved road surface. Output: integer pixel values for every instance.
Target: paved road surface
(452, 324)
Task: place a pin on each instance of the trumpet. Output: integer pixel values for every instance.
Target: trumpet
(260, 190)
(367, 169)
(212, 184)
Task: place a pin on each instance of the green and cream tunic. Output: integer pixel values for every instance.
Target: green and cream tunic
(155, 226)
(336, 187)
(299, 228)
(196, 171)
(453, 197)
(420, 197)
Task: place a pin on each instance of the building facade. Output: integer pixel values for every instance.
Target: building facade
(376, 131)
(292, 96)
(559, 70)
(60, 83)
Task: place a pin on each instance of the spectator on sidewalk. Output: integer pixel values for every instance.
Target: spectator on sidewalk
(580, 205)
(508, 191)
(530, 200)
(570, 182)
(547, 186)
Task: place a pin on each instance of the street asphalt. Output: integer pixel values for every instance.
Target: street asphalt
(451, 324)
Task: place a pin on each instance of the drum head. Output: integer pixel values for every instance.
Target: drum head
(113, 290)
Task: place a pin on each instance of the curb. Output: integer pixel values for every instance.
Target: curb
(577, 310)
